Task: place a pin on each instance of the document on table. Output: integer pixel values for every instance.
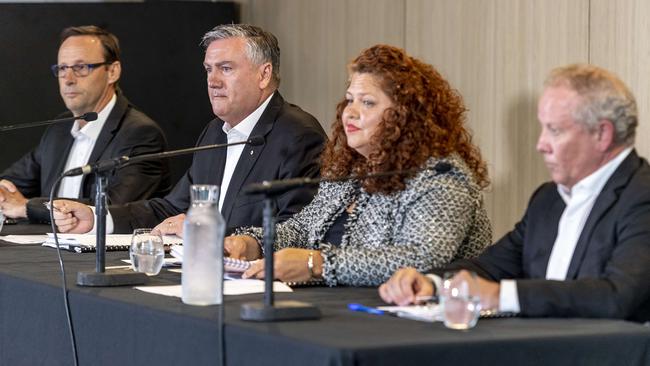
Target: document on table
(433, 312)
(231, 265)
(87, 242)
(24, 239)
(424, 313)
(233, 287)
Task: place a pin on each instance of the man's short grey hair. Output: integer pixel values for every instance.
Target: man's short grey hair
(262, 45)
(603, 97)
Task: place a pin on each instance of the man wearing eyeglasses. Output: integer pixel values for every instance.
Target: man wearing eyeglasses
(88, 70)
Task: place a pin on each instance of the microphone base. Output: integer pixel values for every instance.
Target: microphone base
(120, 277)
(280, 311)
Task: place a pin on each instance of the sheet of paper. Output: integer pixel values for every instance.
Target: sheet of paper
(425, 313)
(111, 239)
(24, 239)
(234, 287)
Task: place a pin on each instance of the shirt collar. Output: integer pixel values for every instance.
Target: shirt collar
(92, 129)
(245, 127)
(594, 183)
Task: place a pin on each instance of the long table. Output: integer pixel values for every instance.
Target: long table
(124, 326)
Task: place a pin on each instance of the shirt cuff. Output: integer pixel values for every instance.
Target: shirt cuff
(109, 222)
(437, 282)
(508, 297)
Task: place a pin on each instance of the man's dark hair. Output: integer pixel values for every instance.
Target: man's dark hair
(109, 41)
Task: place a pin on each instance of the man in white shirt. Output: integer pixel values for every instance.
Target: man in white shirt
(88, 70)
(583, 246)
(242, 64)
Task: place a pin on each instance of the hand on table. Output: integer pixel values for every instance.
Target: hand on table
(405, 287)
(242, 247)
(12, 202)
(171, 225)
(289, 265)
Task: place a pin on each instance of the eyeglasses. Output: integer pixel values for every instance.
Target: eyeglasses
(79, 70)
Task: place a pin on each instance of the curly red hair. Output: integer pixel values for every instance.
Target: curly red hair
(427, 120)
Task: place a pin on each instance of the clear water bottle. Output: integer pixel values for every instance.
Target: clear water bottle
(203, 233)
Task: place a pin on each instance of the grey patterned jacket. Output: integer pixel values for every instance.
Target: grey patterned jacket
(437, 218)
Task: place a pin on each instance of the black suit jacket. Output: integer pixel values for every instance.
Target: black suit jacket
(609, 274)
(127, 131)
(293, 141)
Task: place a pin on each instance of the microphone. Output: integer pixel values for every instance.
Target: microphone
(276, 187)
(110, 164)
(88, 117)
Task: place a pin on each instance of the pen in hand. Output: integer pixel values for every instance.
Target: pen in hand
(49, 206)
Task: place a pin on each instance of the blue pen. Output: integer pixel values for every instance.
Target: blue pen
(369, 310)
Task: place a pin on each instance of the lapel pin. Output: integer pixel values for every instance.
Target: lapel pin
(251, 152)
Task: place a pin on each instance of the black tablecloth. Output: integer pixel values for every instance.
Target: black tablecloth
(24, 228)
(123, 326)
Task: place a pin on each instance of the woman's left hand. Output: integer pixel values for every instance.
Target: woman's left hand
(290, 265)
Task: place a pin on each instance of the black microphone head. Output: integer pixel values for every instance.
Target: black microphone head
(90, 116)
(255, 140)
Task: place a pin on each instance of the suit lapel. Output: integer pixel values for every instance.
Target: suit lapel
(59, 157)
(110, 128)
(545, 238)
(216, 159)
(606, 199)
(251, 153)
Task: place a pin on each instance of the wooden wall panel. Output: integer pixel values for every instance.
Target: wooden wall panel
(318, 38)
(620, 41)
(497, 53)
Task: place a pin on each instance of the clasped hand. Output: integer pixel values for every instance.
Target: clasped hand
(408, 286)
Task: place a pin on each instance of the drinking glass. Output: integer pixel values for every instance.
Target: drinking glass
(147, 251)
(2, 219)
(461, 304)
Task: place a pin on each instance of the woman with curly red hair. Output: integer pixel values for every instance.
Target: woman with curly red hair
(398, 114)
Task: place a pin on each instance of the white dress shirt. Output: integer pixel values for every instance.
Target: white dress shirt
(83, 145)
(579, 201)
(240, 132)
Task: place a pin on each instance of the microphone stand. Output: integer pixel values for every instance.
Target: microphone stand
(270, 310)
(119, 277)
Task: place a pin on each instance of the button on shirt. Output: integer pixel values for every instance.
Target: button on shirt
(84, 142)
(240, 132)
(579, 201)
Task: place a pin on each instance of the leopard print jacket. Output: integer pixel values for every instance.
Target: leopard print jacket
(437, 218)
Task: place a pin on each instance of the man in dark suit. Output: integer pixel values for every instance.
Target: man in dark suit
(88, 71)
(582, 248)
(242, 66)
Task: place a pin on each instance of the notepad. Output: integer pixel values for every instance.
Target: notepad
(229, 264)
(83, 243)
(433, 312)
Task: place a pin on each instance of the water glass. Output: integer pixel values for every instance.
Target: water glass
(2, 219)
(459, 299)
(147, 251)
